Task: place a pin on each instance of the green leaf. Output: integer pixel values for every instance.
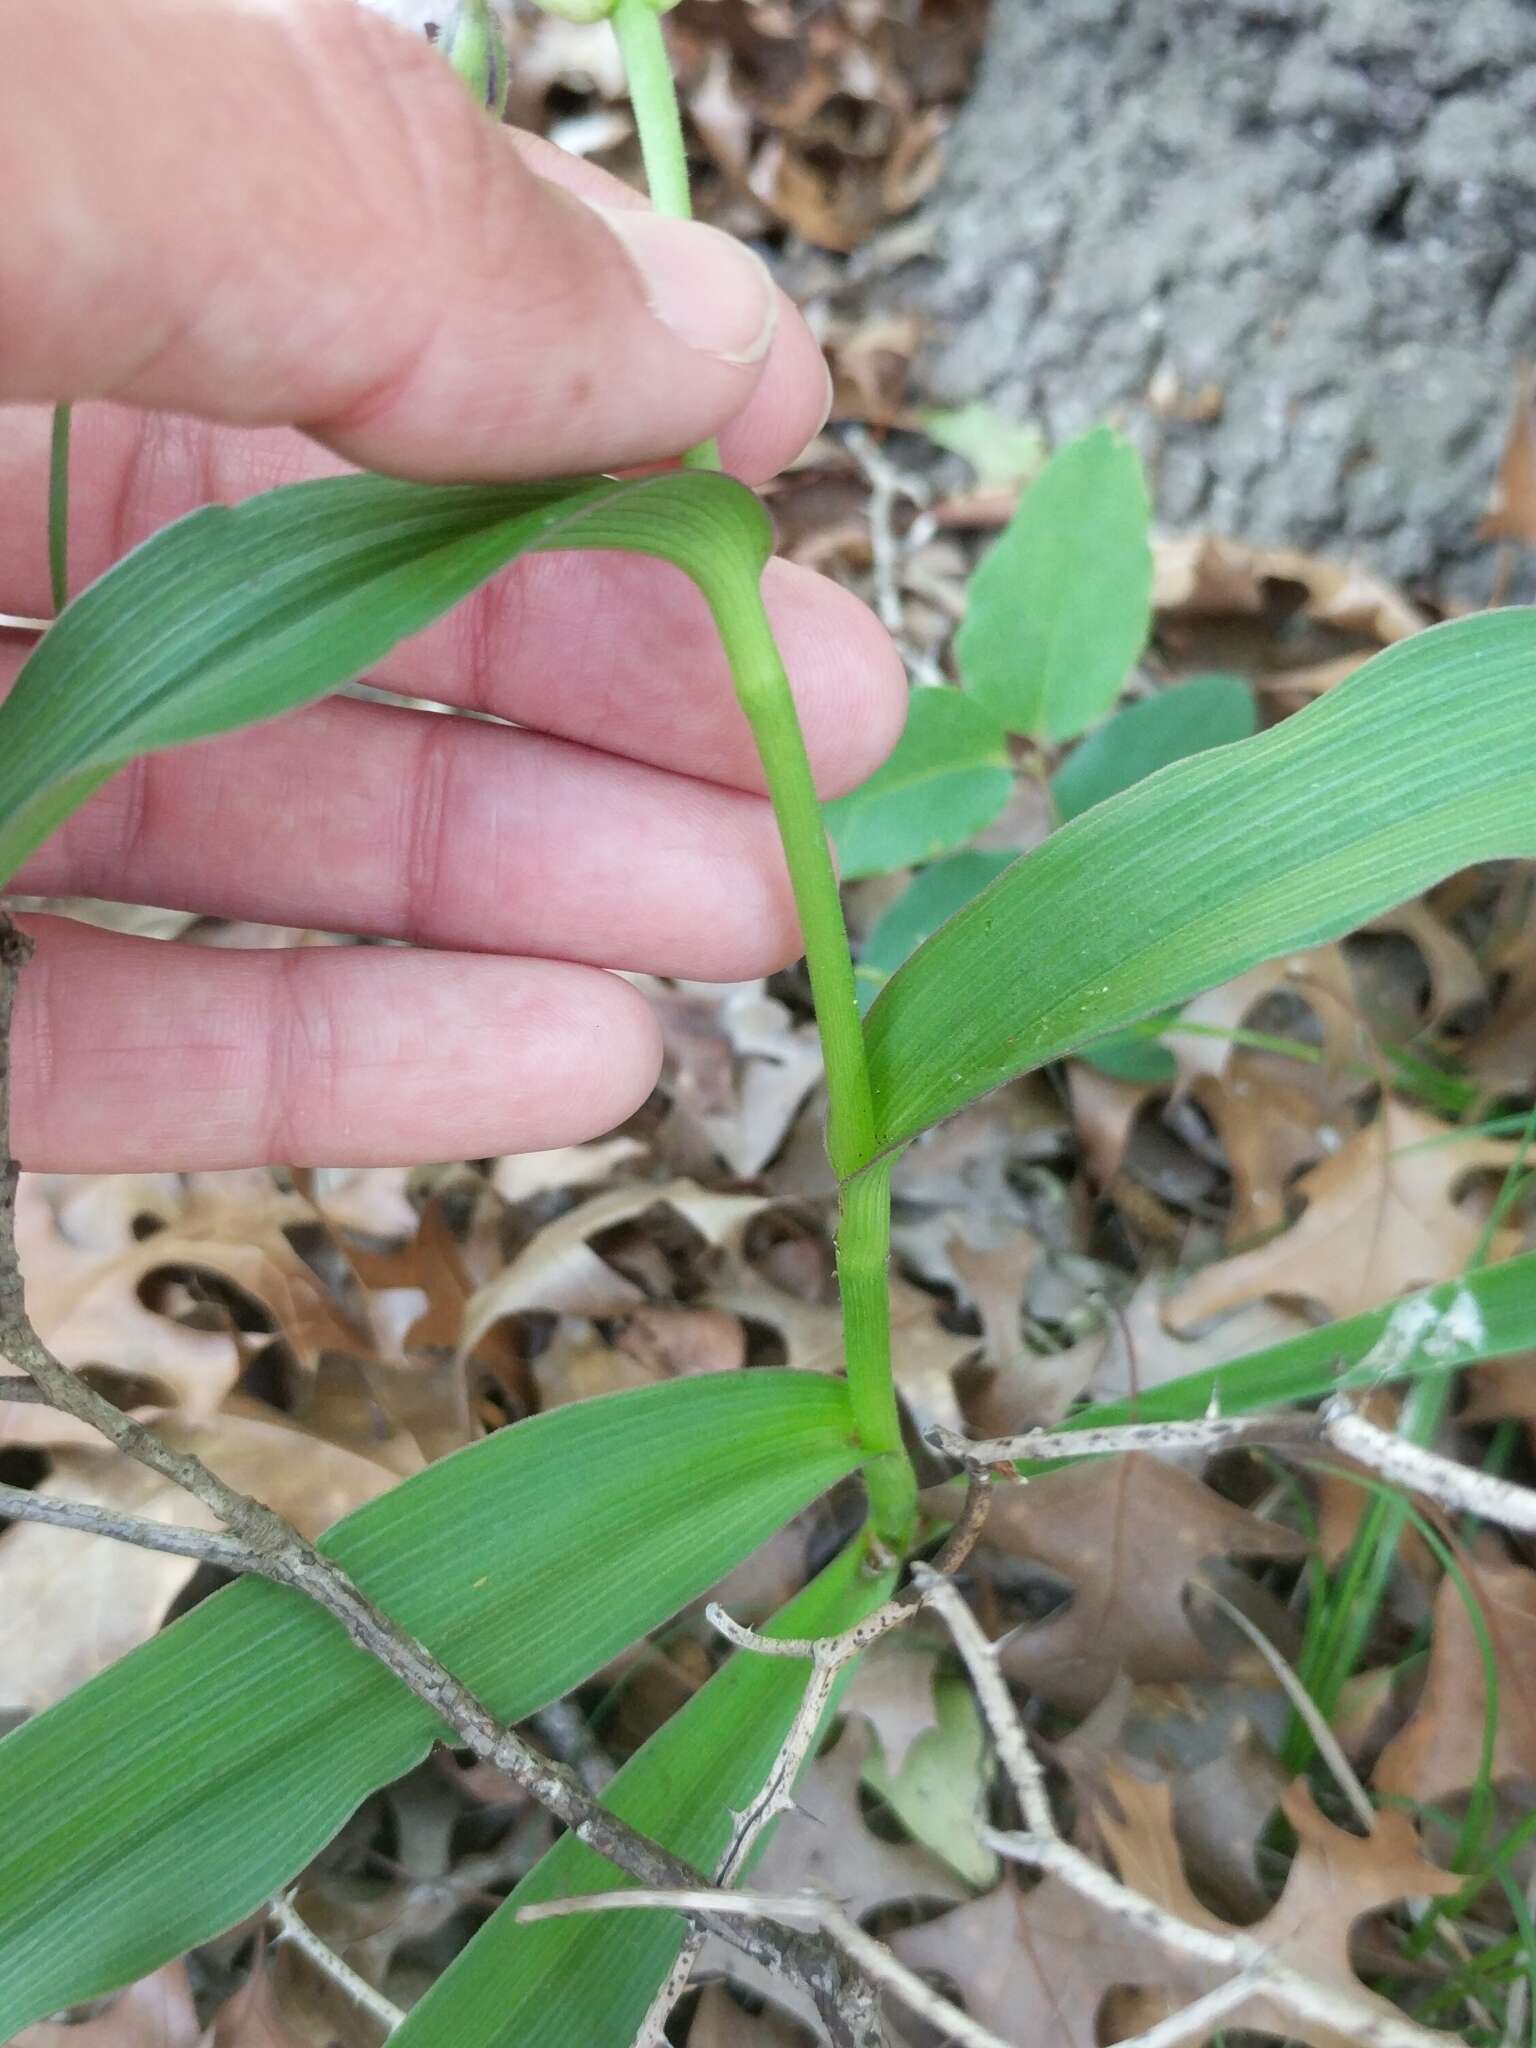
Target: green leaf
(936, 894)
(583, 1983)
(168, 1797)
(1205, 712)
(998, 451)
(1488, 1313)
(1060, 607)
(1136, 1056)
(1422, 762)
(947, 779)
(938, 1795)
(235, 614)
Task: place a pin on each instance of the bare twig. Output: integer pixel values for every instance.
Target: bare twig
(1196, 2019)
(1328, 1745)
(266, 1544)
(791, 1910)
(1336, 1426)
(13, 1389)
(1200, 1950)
(284, 1916)
(208, 1546)
(1212, 1433)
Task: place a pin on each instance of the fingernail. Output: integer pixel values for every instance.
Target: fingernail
(831, 398)
(709, 289)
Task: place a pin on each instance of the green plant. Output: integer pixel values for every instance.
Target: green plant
(226, 1751)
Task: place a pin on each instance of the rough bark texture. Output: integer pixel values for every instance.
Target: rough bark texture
(1325, 208)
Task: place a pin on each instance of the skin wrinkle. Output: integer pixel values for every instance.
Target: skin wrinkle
(425, 795)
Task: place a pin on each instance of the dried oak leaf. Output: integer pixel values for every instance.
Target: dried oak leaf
(1440, 1750)
(719, 2022)
(157, 2012)
(1128, 1534)
(1033, 1966)
(559, 1270)
(1320, 979)
(1335, 1878)
(1383, 1216)
(75, 1601)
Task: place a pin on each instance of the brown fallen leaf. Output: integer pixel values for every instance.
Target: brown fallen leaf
(74, 1602)
(157, 2012)
(1455, 978)
(1203, 577)
(1272, 1126)
(1033, 1966)
(1128, 1534)
(1501, 1054)
(1511, 513)
(1440, 1749)
(1319, 980)
(719, 2022)
(1383, 1216)
(1334, 1880)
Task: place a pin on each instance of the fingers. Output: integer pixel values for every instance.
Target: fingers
(447, 831)
(327, 232)
(614, 652)
(133, 1055)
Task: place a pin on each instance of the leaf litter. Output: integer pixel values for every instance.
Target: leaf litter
(1315, 1149)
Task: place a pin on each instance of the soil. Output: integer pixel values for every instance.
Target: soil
(1287, 243)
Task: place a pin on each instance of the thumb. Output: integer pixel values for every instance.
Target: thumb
(291, 212)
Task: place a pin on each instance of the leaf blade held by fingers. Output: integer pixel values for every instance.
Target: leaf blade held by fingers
(236, 614)
(230, 1748)
(1422, 762)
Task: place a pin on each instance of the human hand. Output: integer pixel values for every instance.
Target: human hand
(276, 238)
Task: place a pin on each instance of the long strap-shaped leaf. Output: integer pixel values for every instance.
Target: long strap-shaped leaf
(582, 1983)
(171, 1795)
(235, 614)
(1422, 762)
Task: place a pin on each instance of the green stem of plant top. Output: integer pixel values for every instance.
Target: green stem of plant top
(58, 506)
(659, 124)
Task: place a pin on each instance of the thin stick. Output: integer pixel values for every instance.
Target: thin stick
(285, 1918)
(1336, 1426)
(1196, 2019)
(1042, 1847)
(208, 1546)
(788, 1910)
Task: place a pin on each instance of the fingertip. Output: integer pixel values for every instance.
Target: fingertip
(849, 680)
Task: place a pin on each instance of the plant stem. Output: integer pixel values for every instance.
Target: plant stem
(659, 123)
(58, 506)
(864, 1226)
(757, 669)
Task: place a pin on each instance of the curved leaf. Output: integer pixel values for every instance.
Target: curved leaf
(171, 1795)
(578, 1983)
(1422, 762)
(237, 613)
